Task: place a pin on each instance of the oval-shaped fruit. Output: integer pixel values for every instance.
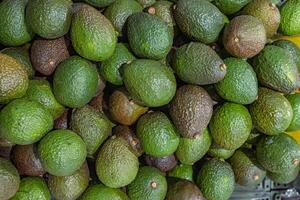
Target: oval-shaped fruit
(294, 100)
(276, 69)
(92, 126)
(14, 79)
(116, 165)
(240, 83)
(279, 153)
(49, 18)
(93, 36)
(290, 14)
(75, 82)
(271, 112)
(24, 122)
(248, 172)
(69, 187)
(197, 63)
(27, 161)
(157, 134)
(62, 152)
(100, 3)
(32, 188)
(229, 7)
(149, 36)
(245, 36)
(190, 150)
(164, 164)
(14, 30)
(216, 180)
(191, 110)
(9, 179)
(103, 192)
(149, 82)
(230, 125)
(182, 171)
(146, 3)
(47, 54)
(149, 184)
(285, 177)
(199, 20)
(218, 152)
(184, 190)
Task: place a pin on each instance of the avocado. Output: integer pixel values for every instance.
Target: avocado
(47, 54)
(146, 3)
(123, 109)
(284, 177)
(149, 36)
(245, 36)
(32, 188)
(267, 12)
(93, 36)
(26, 160)
(93, 127)
(248, 172)
(190, 150)
(290, 13)
(40, 91)
(164, 164)
(116, 165)
(62, 122)
(229, 7)
(49, 18)
(182, 171)
(14, 79)
(279, 153)
(62, 152)
(69, 187)
(149, 184)
(119, 11)
(14, 29)
(103, 192)
(276, 69)
(240, 84)
(271, 112)
(191, 110)
(149, 82)
(75, 82)
(22, 55)
(217, 152)
(157, 134)
(199, 20)
(230, 125)
(100, 3)
(9, 179)
(254, 137)
(216, 180)
(24, 122)
(197, 63)
(184, 190)
(294, 100)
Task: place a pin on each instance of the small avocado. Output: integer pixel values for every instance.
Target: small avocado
(184, 190)
(294, 100)
(116, 165)
(69, 187)
(149, 36)
(62, 152)
(216, 180)
(230, 125)
(123, 109)
(9, 179)
(164, 164)
(24, 122)
(191, 110)
(248, 172)
(157, 134)
(149, 184)
(190, 150)
(49, 18)
(284, 177)
(279, 153)
(199, 20)
(146, 3)
(290, 13)
(245, 36)
(90, 27)
(182, 171)
(149, 82)
(14, 28)
(62, 122)
(103, 192)
(271, 113)
(217, 152)
(100, 3)
(32, 188)
(229, 7)
(276, 69)
(197, 63)
(240, 84)
(47, 54)
(26, 160)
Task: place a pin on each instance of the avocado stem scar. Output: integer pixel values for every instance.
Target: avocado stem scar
(153, 184)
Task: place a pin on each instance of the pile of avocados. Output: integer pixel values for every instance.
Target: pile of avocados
(146, 99)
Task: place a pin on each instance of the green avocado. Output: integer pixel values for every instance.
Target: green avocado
(284, 177)
(100, 3)
(104, 193)
(229, 7)
(182, 171)
(294, 100)
(217, 152)
(290, 14)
